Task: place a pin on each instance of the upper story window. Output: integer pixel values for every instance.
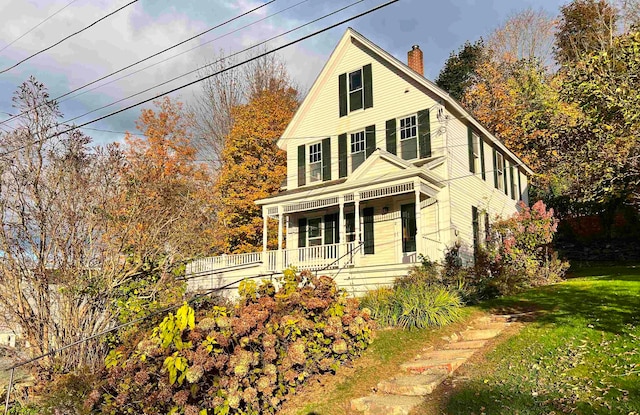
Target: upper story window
(357, 149)
(499, 171)
(315, 162)
(476, 153)
(515, 191)
(408, 138)
(355, 90)
(412, 134)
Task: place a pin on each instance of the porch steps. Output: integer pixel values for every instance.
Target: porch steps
(421, 376)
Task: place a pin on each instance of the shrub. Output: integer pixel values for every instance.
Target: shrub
(520, 253)
(240, 360)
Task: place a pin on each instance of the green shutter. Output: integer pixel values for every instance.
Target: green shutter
(302, 232)
(368, 86)
(424, 134)
(504, 175)
(326, 159)
(370, 139)
(472, 165)
(484, 173)
(367, 219)
(495, 168)
(342, 94)
(302, 174)
(342, 155)
(513, 192)
(392, 144)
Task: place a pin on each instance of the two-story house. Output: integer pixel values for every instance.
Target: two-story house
(382, 165)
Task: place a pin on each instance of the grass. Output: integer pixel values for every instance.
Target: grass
(580, 356)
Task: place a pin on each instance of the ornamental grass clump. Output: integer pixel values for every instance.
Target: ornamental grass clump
(413, 303)
(243, 359)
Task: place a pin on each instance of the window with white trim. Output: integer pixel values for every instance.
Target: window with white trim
(358, 148)
(409, 138)
(500, 171)
(515, 191)
(476, 153)
(356, 91)
(315, 162)
(314, 232)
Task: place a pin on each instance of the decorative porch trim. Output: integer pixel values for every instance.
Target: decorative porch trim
(387, 191)
(311, 204)
(272, 211)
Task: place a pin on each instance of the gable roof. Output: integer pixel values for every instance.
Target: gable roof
(349, 35)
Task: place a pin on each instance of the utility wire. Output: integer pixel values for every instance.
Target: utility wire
(36, 26)
(212, 63)
(68, 37)
(261, 55)
(151, 56)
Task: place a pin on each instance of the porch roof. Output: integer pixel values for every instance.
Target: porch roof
(361, 185)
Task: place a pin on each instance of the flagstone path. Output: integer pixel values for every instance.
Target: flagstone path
(419, 377)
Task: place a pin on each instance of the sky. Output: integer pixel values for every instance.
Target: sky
(149, 26)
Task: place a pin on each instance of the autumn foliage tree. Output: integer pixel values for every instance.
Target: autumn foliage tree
(253, 167)
(163, 213)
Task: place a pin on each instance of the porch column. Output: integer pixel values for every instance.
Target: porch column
(265, 222)
(280, 255)
(356, 201)
(418, 221)
(341, 230)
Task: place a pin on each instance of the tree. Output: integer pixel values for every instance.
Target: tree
(220, 94)
(163, 213)
(584, 27)
(253, 167)
(458, 72)
(54, 278)
(526, 35)
(603, 154)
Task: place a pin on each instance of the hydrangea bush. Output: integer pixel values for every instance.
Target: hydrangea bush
(243, 359)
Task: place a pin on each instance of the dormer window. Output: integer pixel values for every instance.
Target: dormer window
(355, 90)
(315, 162)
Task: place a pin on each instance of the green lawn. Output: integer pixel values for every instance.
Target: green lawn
(580, 356)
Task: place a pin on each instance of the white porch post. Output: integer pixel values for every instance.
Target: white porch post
(356, 200)
(280, 255)
(341, 231)
(265, 234)
(418, 220)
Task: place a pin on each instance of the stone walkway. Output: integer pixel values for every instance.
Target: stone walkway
(419, 377)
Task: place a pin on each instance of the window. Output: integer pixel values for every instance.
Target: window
(314, 232)
(350, 226)
(355, 90)
(408, 138)
(475, 152)
(514, 185)
(499, 166)
(357, 149)
(315, 162)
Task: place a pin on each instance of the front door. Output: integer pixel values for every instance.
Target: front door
(409, 229)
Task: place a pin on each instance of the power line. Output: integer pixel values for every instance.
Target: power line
(212, 63)
(36, 26)
(261, 55)
(147, 58)
(68, 37)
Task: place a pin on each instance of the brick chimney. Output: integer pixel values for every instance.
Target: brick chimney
(414, 58)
